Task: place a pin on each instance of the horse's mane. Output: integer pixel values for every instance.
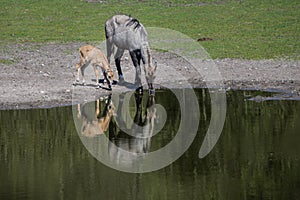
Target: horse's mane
(132, 22)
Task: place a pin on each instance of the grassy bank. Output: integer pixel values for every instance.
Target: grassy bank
(250, 29)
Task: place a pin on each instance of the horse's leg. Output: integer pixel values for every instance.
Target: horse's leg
(138, 54)
(118, 57)
(143, 56)
(136, 58)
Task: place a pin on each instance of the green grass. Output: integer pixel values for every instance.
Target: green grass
(250, 29)
(6, 61)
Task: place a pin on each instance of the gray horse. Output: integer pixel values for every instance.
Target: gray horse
(126, 33)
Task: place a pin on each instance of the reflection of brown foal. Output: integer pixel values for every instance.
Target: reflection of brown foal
(93, 125)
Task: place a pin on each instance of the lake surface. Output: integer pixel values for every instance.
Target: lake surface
(43, 155)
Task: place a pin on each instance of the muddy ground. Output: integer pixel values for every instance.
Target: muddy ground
(41, 75)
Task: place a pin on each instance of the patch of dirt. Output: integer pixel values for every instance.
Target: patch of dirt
(41, 75)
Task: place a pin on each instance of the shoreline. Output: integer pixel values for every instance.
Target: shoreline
(41, 75)
(279, 94)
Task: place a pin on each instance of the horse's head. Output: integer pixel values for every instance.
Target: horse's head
(150, 75)
(150, 70)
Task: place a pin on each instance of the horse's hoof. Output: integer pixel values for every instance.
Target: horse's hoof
(152, 92)
(121, 79)
(139, 90)
(114, 82)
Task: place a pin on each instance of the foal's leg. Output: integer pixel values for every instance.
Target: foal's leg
(97, 74)
(82, 68)
(78, 66)
(118, 57)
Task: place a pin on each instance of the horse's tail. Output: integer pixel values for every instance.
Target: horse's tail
(106, 33)
(110, 26)
(109, 30)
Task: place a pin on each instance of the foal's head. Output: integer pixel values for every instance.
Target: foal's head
(109, 73)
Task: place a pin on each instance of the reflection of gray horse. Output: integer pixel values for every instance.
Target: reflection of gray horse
(127, 33)
(141, 130)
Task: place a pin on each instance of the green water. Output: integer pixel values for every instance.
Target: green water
(256, 157)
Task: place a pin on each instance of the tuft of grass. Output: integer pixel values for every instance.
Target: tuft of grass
(6, 61)
(249, 29)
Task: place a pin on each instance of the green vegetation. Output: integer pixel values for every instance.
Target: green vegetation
(250, 29)
(6, 61)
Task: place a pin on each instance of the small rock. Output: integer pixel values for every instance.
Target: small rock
(204, 39)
